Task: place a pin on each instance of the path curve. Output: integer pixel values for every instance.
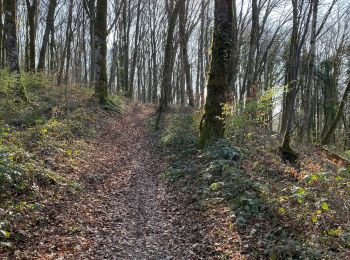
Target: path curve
(126, 211)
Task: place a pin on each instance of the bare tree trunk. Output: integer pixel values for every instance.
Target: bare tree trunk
(234, 64)
(66, 47)
(53, 60)
(168, 56)
(11, 44)
(114, 63)
(84, 51)
(100, 37)
(212, 126)
(92, 15)
(184, 53)
(249, 85)
(154, 66)
(49, 26)
(292, 74)
(136, 47)
(126, 42)
(168, 61)
(201, 69)
(32, 13)
(1, 38)
(328, 135)
(306, 124)
(11, 36)
(296, 44)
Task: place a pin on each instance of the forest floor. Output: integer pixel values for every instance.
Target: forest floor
(125, 211)
(78, 182)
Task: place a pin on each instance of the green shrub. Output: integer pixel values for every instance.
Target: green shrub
(240, 119)
(222, 150)
(34, 81)
(10, 172)
(178, 133)
(172, 174)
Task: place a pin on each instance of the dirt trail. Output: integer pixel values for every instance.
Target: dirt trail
(126, 211)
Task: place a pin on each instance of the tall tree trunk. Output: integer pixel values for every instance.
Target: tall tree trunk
(114, 63)
(250, 86)
(136, 49)
(291, 89)
(100, 37)
(212, 126)
(49, 26)
(66, 44)
(69, 38)
(53, 60)
(11, 35)
(168, 61)
(92, 15)
(184, 53)
(10, 31)
(348, 135)
(1, 37)
(201, 68)
(126, 42)
(32, 13)
(168, 57)
(235, 55)
(306, 124)
(84, 51)
(328, 135)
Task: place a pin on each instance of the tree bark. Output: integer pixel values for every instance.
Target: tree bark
(213, 126)
(168, 62)
(136, 47)
(291, 89)
(32, 13)
(49, 26)
(168, 55)
(328, 135)
(66, 47)
(306, 123)
(184, 53)
(11, 45)
(250, 84)
(11, 35)
(100, 37)
(1, 38)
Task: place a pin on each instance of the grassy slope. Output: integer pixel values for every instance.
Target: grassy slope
(269, 208)
(41, 145)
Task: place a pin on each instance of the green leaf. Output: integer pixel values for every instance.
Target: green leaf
(338, 178)
(325, 206)
(335, 232)
(216, 186)
(44, 131)
(300, 200)
(5, 233)
(314, 216)
(282, 211)
(314, 177)
(301, 191)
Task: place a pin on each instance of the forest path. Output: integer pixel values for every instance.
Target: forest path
(126, 211)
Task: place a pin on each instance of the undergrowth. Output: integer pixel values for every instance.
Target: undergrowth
(280, 211)
(41, 143)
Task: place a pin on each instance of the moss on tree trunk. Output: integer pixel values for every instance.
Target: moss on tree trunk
(213, 125)
(328, 135)
(11, 44)
(101, 89)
